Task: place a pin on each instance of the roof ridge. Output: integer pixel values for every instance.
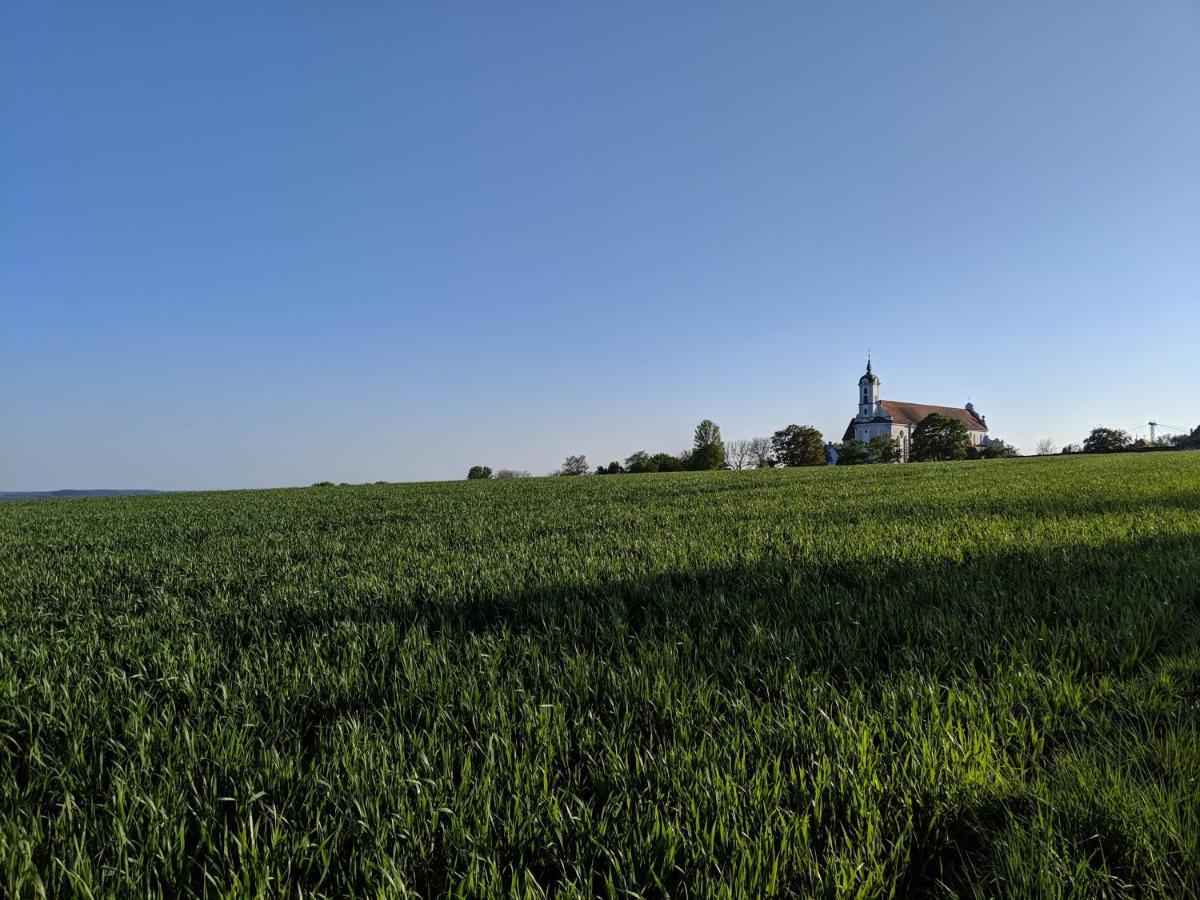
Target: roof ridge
(911, 403)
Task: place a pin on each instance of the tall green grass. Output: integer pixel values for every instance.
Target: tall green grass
(972, 679)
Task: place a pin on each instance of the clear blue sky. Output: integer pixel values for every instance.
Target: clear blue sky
(272, 243)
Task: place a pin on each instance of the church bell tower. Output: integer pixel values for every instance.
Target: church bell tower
(868, 393)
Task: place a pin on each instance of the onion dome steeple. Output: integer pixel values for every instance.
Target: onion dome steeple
(869, 377)
(868, 393)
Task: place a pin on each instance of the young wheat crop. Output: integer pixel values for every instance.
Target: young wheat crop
(970, 679)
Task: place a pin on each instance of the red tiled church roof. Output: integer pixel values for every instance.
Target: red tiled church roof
(912, 414)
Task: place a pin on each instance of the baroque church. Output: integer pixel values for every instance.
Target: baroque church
(897, 419)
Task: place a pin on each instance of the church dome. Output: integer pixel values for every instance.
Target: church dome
(869, 377)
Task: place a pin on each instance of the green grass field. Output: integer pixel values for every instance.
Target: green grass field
(971, 679)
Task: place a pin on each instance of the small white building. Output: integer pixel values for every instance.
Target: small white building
(896, 419)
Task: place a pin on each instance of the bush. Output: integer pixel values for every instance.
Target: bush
(853, 453)
(574, 465)
(997, 449)
(883, 448)
(798, 445)
(665, 462)
(640, 463)
(939, 438)
(1106, 440)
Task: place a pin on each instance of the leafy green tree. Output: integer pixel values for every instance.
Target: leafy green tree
(708, 449)
(667, 463)
(884, 448)
(613, 468)
(938, 438)
(477, 473)
(853, 453)
(574, 465)
(798, 445)
(1106, 440)
(1187, 441)
(997, 449)
(512, 473)
(640, 463)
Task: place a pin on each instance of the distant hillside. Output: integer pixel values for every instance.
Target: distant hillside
(67, 494)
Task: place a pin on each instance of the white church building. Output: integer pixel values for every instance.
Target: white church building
(898, 420)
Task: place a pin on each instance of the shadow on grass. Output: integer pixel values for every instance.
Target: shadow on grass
(1109, 608)
(1101, 609)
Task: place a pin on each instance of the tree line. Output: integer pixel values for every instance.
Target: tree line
(937, 438)
(478, 472)
(1116, 440)
(795, 445)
